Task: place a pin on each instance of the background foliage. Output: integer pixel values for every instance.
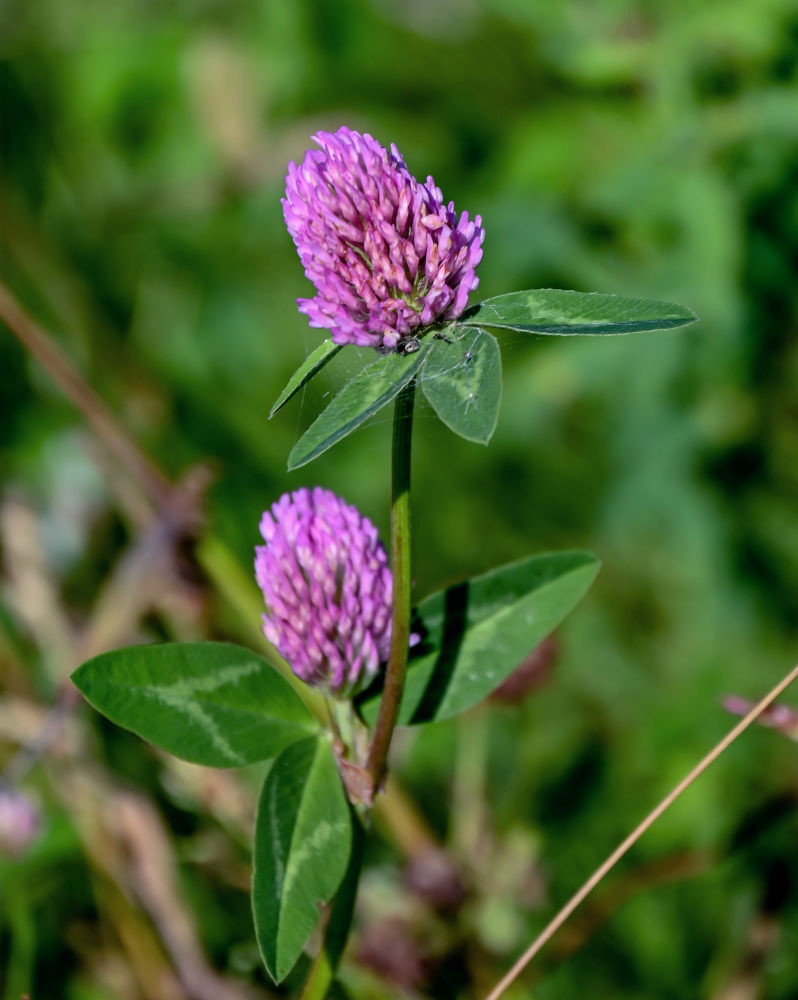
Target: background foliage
(624, 147)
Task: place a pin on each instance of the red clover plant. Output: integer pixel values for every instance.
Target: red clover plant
(393, 268)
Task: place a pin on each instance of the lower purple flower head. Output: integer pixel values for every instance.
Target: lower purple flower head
(328, 589)
(385, 253)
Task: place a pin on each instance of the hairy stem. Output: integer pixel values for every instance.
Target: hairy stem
(554, 925)
(400, 564)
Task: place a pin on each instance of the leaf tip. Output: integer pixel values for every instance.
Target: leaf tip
(295, 458)
(78, 677)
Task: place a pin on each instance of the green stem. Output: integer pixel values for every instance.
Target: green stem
(338, 923)
(322, 971)
(400, 565)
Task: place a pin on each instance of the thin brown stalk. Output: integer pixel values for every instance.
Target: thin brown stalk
(44, 348)
(554, 925)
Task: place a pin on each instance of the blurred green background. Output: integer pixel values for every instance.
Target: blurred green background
(630, 147)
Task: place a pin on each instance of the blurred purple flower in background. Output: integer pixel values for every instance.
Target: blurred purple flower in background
(779, 717)
(328, 589)
(19, 822)
(385, 253)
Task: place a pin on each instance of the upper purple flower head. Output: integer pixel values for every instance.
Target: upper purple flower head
(385, 253)
(327, 587)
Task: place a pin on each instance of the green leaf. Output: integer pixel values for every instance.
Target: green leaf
(312, 364)
(342, 910)
(462, 381)
(562, 313)
(208, 702)
(357, 401)
(303, 838)
(474, 634)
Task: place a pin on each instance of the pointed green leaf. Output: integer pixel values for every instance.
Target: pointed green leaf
(303, 838)
(474, 634)
(563, 313)
(462, 381)
(208, 702)
(312, 364)
(357, 401)
(343, 907)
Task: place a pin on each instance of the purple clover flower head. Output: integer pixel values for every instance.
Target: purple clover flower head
(385, 253)
(328, 589)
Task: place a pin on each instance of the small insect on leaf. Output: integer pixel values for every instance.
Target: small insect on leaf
(462, 383)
